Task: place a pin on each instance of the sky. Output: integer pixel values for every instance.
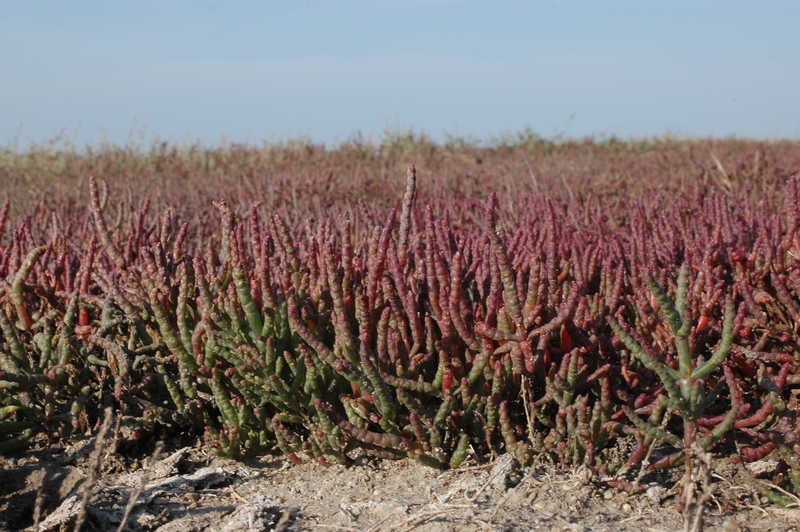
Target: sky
(254, 72)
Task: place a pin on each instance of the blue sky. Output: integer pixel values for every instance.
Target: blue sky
(269, 71)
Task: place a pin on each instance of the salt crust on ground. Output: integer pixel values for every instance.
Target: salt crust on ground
(189, 490)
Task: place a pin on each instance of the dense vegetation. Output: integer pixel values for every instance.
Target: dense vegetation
(529, 297)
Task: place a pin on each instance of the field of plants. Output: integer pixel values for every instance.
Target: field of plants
(619, 307)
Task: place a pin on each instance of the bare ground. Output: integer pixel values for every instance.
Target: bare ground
(190, 490)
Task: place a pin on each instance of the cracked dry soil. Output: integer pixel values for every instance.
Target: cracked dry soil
(191, 490)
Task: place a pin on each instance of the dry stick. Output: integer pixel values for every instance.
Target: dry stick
(759, 508)
(283, 522)
(377, 526)
(643, 466)
(526, 398)
(465, 469)
(94, 469)
(694, 523)
(633, 517)
(486, 485)
(347, 512)
(508, 495)
(643, 469)
(429, 514)
(145, 478)
(37, 508)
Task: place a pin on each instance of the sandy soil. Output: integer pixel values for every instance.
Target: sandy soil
(189, 489)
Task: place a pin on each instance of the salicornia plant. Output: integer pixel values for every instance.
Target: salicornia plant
(687, 388)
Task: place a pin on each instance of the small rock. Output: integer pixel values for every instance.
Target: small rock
(516, 498)
(627, 508)
(761, 466)
(608, 494)
(731, 525)
(501, 471)
(656, 493)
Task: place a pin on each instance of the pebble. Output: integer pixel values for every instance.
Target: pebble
(655, 493)
(608, 494)
(516, 498)
(540, 505)
(627, 508)
(731, 525)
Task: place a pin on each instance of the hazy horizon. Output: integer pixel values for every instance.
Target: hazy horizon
(254, 73)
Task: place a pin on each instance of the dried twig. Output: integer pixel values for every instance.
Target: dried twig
(694, 511)
(142, 485)
(37, 508)
(508, 495)
(427, 516)
(94, 468)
